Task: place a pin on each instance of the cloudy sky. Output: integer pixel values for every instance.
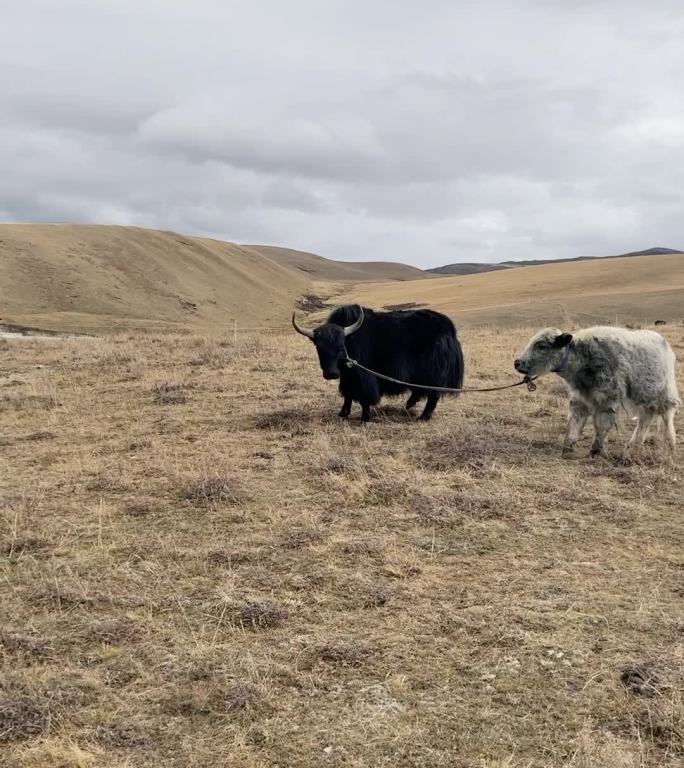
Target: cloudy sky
(426, 132)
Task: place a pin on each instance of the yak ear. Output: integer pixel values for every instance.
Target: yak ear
(562, 340)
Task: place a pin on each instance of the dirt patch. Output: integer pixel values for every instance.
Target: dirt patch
(405, 305)
(310, 302)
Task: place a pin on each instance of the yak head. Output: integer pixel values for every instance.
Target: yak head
(329, 342)
(546, 351)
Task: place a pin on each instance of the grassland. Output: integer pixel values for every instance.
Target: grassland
(631, 290)
(201, 566)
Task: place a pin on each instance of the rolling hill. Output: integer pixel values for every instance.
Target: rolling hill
(472, 268)
(91, 278)
(638, 289)
(99, 279)
(106, 278)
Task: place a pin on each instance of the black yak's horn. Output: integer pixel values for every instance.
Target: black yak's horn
(304, 331)
(354, 326)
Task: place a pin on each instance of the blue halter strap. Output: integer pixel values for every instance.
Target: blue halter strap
(564, 362)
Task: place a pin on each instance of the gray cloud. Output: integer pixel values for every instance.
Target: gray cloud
(428, 134)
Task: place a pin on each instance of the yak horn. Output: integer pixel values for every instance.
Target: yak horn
(354, 326)
(304, 331)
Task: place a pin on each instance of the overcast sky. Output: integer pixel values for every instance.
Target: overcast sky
(425, 132)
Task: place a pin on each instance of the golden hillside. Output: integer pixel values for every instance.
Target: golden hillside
(92, 278)
(104, 278)
(627, 290)
(99, 279)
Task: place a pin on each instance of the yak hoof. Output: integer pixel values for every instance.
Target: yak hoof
(595, 452)
(343, 413)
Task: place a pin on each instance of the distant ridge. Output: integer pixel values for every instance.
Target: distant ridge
(319, 268)
(472, 268)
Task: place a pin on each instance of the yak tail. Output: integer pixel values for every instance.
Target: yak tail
(450, 365)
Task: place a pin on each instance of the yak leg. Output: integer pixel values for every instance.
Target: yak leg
(432, 400)
(413, 399)
(645, 419)
(670, 436)
(577, 418)
(604, 421)
(365, 412)
(346, 407)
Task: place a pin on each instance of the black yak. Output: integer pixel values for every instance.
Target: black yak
(418, 346)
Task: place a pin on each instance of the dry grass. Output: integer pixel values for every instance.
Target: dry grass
(240, 579)
(636, 290)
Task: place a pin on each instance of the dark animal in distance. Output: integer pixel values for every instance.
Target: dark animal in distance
(418, 346)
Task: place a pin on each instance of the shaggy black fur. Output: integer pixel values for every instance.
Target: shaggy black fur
(419, 346)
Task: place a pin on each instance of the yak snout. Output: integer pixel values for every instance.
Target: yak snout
(519, 366)
(331, 375)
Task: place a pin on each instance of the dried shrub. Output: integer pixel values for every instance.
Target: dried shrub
(340, 465)
(30, 403)
(170, 393)
(22, 545)
(23, 717)
(212, 488)
(239, 697)
(450, 507)
(229, 557)
(212, 353)
(364, 592)
(20, 642)
(387, 491)
(640, 680)
(296, 538)
(203, 699)
(258, 615)
(363, 545)
(141, 508)
(115, 632)
(104, 481)
(120, 736)
(344, 653)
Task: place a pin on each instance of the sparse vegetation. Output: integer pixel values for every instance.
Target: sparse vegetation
(244, 580)
(170, 393)
(212, 488)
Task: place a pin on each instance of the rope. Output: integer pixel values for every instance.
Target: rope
(531, 386)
